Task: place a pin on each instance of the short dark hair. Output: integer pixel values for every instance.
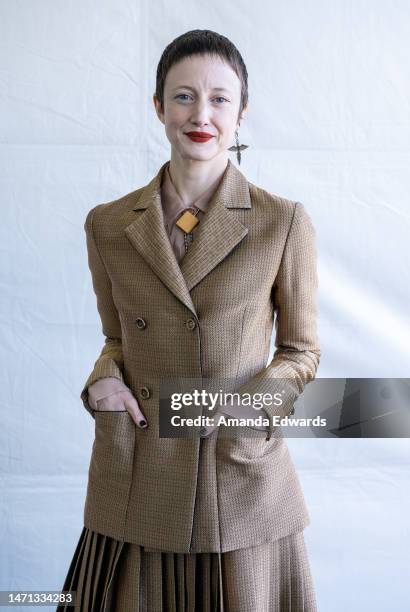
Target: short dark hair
(201, 42)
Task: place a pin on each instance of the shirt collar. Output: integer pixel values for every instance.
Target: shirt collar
(172, 202)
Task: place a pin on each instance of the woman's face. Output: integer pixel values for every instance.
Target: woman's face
(201, 94)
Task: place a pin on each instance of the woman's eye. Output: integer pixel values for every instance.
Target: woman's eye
(186, 97)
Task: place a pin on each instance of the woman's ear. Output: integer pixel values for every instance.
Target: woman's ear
(158, 108)
(244, 112)
(242, 115)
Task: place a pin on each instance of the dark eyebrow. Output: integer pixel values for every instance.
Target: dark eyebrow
(192, 89)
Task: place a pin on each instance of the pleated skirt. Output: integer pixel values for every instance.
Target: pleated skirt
(113, 576)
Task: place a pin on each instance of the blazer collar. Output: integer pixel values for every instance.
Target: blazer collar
(215, 237)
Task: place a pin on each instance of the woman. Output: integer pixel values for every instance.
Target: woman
(189, 272)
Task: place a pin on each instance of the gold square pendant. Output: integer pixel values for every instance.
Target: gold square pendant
(187, 221)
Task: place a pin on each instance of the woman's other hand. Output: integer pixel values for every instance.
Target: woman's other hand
(111, 394)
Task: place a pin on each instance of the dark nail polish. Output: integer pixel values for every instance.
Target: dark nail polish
(143, 423)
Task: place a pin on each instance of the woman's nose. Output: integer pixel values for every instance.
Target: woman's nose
(200, 114)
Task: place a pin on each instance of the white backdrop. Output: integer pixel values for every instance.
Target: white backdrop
(328, 125)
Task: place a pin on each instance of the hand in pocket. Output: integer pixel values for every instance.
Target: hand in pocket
(110, 394)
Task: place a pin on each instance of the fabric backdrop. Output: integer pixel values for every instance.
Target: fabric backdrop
(328, 125)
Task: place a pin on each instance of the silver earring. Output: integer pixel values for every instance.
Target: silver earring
(238, 148)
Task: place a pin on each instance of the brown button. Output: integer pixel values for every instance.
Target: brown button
(145, 392)
(191, 324)
(140, 323)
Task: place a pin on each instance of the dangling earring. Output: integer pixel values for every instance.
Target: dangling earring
(238, 148)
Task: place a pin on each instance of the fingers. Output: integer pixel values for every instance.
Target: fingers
(131, 404)
(123, 401)
(111, 403)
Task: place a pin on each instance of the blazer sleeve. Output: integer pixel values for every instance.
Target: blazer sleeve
(110, 362)
(297, 355)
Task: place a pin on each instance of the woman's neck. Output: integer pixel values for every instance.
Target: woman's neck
(191, 178)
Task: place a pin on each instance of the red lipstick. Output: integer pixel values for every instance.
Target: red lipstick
(199, 136)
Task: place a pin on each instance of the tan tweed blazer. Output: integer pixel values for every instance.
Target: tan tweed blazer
(251, 266)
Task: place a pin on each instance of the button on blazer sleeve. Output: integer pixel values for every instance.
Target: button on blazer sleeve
(110, 361)
(297, 355)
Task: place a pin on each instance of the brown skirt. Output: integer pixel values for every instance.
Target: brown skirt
(113, 576)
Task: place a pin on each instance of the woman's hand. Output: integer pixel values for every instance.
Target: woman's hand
(111, 394)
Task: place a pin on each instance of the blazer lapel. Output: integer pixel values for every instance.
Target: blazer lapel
(220, 230)
(217, 234)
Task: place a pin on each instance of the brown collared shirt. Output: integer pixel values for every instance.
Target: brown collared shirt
(172, 207)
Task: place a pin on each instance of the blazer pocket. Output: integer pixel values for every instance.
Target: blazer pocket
(112, 455)
(249, 448)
